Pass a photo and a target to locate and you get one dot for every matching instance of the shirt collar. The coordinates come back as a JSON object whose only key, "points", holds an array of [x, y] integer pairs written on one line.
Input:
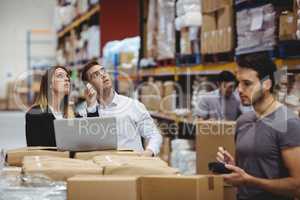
{"points": [[113, 103]]}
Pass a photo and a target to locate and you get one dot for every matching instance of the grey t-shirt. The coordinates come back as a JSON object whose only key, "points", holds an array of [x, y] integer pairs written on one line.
{"points": [[259, 143], [213, 105]]}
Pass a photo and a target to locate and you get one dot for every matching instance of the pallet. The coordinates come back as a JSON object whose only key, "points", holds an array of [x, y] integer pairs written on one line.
{"points": [[188, 59], [289, 49], [218, 57], [166, 62]]}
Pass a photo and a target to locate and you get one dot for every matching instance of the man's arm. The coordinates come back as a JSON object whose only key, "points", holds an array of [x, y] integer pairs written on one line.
{"points": [[289, 186], [148, 130]]}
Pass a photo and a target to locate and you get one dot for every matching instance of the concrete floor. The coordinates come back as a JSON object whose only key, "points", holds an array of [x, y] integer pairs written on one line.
{"points": [[12, 130]]}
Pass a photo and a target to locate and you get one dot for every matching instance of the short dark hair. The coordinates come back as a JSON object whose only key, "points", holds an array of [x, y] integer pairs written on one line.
{"points": [[226, 76], [86, 68], [260, 62]]}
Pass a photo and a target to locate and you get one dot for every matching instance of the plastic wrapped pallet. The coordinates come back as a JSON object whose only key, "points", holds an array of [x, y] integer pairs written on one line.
{"points": [[20, 187], [133, 165], [166, 29], [256, 29], [93, 49], [151, 44], [188, 14], [58, 169], [183, 156]]}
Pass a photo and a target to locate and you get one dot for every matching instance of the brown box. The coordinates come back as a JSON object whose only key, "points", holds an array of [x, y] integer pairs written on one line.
{"points": [[165, 149], [92, 154], [103, 187], [59, 169], [217, 31], [230, 192], [168, 102], [287, 26], [207, 38], [214, 5], [133, 165], [209, 136], [151, 95], [15, 157], [3, 104], [182, 187]]}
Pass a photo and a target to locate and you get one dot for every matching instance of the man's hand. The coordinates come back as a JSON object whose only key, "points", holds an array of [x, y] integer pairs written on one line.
{"points": [[90, 96], [147, 153], [224, 156], [237, 177]]}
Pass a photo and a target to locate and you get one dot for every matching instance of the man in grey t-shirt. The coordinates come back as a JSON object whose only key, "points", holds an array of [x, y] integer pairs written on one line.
{"points": [[220, 104], [267, 162]]}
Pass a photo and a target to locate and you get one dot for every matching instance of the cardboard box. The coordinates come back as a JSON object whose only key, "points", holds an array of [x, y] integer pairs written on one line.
{"points": [[287, 26], [15, 157], [214, 5], [209, 136], [103, 187], [230, 192], [133, 165], [209, 25], [3, 104], [165, 149], [59, 169], [92, 154], [217, 31], [151, 94], [168, 103], [182, 187]]}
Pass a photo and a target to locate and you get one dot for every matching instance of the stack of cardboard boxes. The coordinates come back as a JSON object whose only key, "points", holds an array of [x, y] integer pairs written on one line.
{"points": [[217, 27], [159, 96], [118, 175], [288, 23]]}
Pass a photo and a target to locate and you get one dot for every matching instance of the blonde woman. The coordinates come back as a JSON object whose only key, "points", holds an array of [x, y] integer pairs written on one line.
{"points": [[52, 103]]}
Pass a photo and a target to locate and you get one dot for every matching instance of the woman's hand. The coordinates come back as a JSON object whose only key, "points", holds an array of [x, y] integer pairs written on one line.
{"points": [[225, 157]]}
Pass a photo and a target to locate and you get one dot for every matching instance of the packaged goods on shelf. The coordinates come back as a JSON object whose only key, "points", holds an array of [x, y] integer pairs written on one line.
{"points": [[93, 42], [287, 26], [256, 29], [151, 95], [168, 103], [297, 10], [151, 43], [217, 28], [166, 29], [93, 2], [188, 14], [122, 53], [183, 156], [82, 6]]}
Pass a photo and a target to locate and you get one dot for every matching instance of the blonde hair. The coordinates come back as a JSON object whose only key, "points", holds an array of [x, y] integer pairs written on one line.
{"points": [[45, 96]]}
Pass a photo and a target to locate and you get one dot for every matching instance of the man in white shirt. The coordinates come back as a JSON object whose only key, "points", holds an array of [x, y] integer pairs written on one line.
{"points": [[133, 120]]}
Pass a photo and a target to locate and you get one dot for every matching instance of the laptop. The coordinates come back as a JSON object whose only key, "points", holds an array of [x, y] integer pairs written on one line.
{"points": [[86, 134]]}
